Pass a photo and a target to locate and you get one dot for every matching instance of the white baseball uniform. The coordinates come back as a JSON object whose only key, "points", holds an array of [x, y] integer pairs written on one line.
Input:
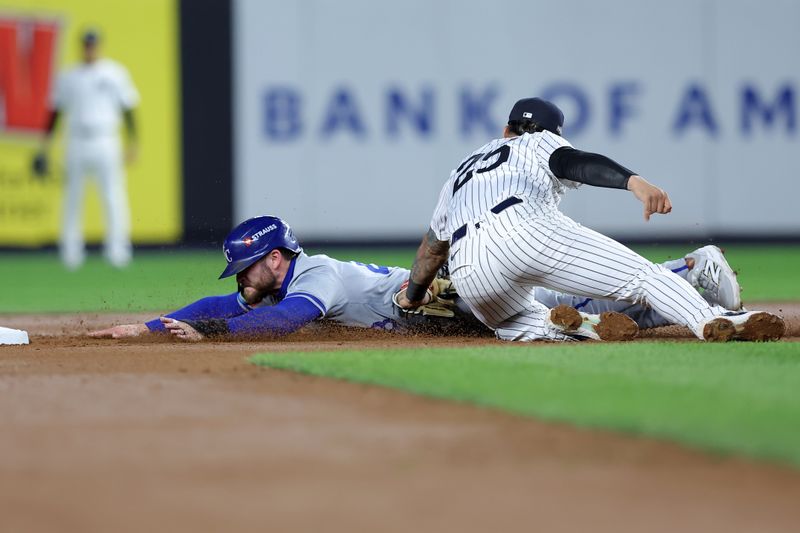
{"points": [[94, 96], [499, 209]]}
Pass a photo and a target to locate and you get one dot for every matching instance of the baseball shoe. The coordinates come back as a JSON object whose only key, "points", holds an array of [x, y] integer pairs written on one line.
{"points": [[608, 326], [714, 275], [744, 326]]}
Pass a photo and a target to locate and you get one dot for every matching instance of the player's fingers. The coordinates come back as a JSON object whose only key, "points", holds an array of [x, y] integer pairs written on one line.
{"points": [[170, 323], [663, 203], [659, 207], [182, 334], [649, 208], [667, 204], [101, 333]]}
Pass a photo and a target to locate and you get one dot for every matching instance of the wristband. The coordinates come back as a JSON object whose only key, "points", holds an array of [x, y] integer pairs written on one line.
{"points": [[415, 292]]}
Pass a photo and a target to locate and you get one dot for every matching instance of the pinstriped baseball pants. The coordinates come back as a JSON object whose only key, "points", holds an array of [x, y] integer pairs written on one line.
{"points": [[103, 157], [497, 267]]}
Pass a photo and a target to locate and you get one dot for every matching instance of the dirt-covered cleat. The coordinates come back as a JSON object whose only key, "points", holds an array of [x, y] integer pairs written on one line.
{"points": [[744, 326], [714, 275], [614, 326], [608, 326]]}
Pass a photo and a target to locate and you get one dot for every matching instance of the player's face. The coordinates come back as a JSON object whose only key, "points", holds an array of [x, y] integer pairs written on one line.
{"points": [[90, 52], [256, 281]]}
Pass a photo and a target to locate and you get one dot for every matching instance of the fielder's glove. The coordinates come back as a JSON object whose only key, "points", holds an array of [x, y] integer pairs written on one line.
{"points": [[439, 298], [40, 166]]}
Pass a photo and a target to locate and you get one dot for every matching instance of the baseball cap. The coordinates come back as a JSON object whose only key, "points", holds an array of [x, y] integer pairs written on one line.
{"points": [[545, 114], [90, 36]]}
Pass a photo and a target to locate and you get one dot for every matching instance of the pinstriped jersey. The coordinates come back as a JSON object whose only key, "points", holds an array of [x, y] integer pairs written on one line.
{"points": [[94, 96], [518, 166]]}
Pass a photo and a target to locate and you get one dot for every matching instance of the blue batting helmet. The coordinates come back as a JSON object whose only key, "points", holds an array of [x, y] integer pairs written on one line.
{"points": [[253, 239]]}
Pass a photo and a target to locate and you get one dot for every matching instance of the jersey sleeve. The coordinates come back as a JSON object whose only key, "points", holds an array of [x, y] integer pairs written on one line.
{"points": [[547, 144], [126, 90], [226, 306], [58, 96], [285, 317], [321, 286], [439, 219]]}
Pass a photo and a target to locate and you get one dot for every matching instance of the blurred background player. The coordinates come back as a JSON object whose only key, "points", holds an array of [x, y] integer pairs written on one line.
{"points": [[94, 94]]}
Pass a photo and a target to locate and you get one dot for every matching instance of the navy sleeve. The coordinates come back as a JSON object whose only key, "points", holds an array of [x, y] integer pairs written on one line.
{"points": [[283, 318], [591, 169], [226, 306]]}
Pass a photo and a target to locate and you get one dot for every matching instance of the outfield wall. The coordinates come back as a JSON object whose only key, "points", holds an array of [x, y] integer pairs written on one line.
{"points": [[39, 38], [348, 116]]}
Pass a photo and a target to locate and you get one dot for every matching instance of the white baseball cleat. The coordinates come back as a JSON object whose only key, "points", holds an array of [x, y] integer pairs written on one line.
{"points": [[744, 326], [608, 326], [714, 275]]}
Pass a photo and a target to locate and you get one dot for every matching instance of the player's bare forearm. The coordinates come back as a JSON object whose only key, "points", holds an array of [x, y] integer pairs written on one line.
{"points": [[120, 332], [49, 128], [130, 124], [431, 255]]}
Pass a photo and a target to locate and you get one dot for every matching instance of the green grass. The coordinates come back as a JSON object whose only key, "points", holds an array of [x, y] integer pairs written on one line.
{"points": [[732, 398], [163, 280], [765, 272], [739, 398]]}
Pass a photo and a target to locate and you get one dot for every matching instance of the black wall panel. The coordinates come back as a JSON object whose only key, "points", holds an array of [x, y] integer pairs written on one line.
{"points": [[206, 85]]}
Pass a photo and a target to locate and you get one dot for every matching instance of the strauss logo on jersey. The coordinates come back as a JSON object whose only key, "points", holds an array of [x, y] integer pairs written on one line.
{"points": [[260, 233]]}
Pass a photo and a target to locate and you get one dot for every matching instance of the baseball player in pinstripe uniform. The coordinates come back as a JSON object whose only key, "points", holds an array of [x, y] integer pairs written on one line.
{"points": [[497, 219], [281, 289], [94, 94]]}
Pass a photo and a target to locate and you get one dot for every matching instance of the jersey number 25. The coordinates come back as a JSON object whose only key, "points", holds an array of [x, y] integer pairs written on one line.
{"points": [[466, 170]]}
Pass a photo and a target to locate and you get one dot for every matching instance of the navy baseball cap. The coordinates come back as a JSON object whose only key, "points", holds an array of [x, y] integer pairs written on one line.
{"points": [[90, 36], [545, 114]]}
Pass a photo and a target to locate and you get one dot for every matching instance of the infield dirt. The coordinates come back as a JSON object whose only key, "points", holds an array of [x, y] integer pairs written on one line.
{"points": [[153, 435]]}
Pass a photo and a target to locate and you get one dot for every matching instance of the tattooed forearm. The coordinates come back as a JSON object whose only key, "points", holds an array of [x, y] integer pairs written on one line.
{"points": [[431, 255]]}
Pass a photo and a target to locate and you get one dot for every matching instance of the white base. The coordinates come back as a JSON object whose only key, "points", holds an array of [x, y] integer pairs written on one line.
{"points": [[13, 336]]}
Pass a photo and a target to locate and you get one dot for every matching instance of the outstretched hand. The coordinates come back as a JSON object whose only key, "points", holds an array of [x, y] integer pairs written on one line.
{"points": [[181, 330], [655, 200], [120, 332]]}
